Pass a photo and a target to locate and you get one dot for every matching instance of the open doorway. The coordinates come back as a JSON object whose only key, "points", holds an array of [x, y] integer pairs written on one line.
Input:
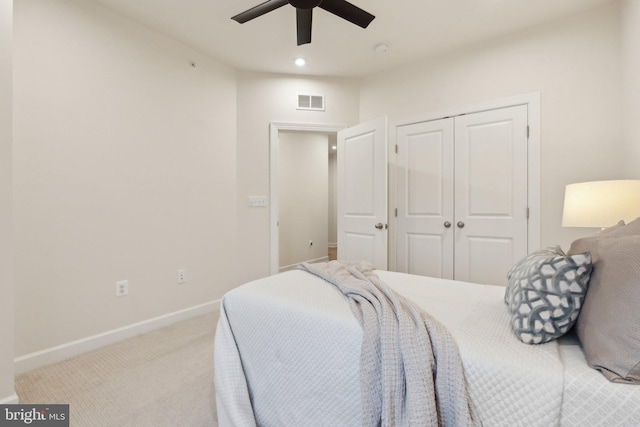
{"points": [[303, 194], [303, 198], [333, 198]]}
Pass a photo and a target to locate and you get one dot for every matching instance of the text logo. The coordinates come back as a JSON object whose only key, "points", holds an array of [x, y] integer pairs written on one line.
{"points": [[34, 415]]}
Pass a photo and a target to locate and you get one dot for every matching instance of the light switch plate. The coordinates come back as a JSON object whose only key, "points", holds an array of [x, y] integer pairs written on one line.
{"points": [[257, 201]]}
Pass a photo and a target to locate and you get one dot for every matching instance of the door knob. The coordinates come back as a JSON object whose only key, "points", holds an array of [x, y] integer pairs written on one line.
{"points": [[460, 224], [447, 224], [379, 226]]}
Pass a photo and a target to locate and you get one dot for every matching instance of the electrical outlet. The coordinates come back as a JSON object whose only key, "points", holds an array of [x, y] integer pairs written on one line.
{"points": [[122, 288], [181, 276]]}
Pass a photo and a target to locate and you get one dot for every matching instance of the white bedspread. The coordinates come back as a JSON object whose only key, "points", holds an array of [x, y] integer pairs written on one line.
{"points": [[290, 344], [287, 327], [411, 373], [511, 383], [589, 399]]}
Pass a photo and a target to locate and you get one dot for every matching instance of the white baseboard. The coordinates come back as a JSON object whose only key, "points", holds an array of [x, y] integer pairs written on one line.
{"points": [[10, 400], [311, 261], [333, 245], [74, 348]]}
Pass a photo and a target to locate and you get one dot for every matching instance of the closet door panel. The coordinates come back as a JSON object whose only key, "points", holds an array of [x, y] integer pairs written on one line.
{"points": [[490, 194], [425, 198], [483, 249], [489, 167], [427, 255]]}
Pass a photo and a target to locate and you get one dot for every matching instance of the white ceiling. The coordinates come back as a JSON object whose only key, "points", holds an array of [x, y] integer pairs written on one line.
{"points": [[412, 28]]}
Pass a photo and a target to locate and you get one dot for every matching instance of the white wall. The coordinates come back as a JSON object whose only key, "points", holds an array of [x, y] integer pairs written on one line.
{"points": [[124, 168], [630, 42], [262, 99], [303, 190], [6, 254], [574, 63]]}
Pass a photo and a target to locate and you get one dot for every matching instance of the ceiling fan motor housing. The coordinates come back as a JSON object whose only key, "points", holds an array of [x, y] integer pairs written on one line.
{"points": [[304, 14], [305, 4]]}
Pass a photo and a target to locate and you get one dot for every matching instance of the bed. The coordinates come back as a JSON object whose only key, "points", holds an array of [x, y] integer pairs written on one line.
{"points": [[287, 354]]}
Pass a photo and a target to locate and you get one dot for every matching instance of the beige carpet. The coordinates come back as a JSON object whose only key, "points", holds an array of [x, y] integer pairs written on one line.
{"points": [[163, 378]]}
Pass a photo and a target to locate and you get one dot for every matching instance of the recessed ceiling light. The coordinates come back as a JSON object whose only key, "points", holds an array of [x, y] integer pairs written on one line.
{"points": [[333, 147], [300, 62]]}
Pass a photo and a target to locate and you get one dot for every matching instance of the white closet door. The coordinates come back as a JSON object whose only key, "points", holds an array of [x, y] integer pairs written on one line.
{"points": [[490, 194], [425, 199], [362, 193]]}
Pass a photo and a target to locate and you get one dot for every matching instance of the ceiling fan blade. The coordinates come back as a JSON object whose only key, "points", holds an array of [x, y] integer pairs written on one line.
{"points": [[304, 17], [259, 10], [346, 10]]}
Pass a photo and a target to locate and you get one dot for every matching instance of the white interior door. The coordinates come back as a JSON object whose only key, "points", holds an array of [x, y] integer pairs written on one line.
{"points": [[424, 180], [490, 193], [362, 193]]}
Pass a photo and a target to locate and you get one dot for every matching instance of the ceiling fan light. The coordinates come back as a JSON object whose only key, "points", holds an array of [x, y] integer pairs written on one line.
{"points": [[300, 62]]}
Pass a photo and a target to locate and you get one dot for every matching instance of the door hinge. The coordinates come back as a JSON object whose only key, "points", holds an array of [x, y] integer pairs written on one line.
{"points": [[528, 131], [396, 148], [527, 213], [396, 212]]}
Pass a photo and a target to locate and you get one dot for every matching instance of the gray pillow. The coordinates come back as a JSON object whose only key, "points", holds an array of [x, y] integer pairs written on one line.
{"points": [[588, 244], [631, 229], [609, 323], [545, 293]]}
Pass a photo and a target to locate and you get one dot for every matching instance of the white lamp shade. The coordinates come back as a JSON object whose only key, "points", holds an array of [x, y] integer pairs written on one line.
{"points": [[601, 203]]}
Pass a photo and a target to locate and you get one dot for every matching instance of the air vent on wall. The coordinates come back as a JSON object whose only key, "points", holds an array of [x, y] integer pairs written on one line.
{"points": [[311, 102]]}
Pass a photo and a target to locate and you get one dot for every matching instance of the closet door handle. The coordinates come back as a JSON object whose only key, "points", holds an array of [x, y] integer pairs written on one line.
{"points": [[447, 224], [460, 224], [379, 226]]}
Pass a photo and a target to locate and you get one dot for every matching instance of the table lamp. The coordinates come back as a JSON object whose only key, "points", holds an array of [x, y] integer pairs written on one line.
{"points": [[601, 203]]}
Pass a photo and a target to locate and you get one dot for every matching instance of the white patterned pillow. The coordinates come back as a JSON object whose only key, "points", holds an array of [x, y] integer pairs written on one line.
{"points": [[545, 293], [550, 252]]}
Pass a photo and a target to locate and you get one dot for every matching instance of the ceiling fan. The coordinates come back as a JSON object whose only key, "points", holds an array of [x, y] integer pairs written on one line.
{"points": [[304, 14]]}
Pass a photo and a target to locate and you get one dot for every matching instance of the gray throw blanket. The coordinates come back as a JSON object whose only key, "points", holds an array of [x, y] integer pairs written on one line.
{"points": [[410, 369]]}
